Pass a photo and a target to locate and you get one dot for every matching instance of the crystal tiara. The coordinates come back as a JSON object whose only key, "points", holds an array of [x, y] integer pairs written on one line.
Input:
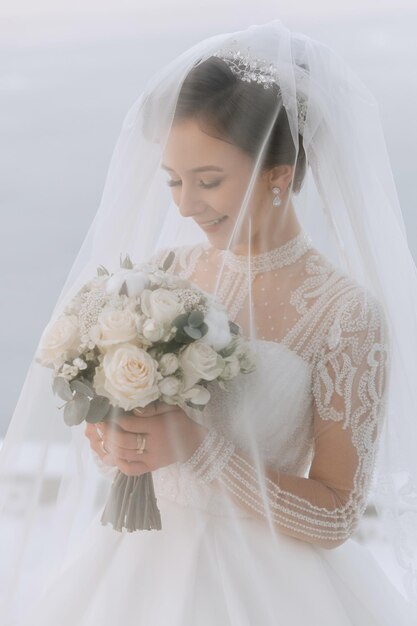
{"points": [[254, 69]]}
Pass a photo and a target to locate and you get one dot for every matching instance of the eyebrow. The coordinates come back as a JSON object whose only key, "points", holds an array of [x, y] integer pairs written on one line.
{"points": [[203, 168]]}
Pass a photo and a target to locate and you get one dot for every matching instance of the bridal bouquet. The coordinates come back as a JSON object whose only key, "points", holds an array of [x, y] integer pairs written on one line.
{"points": [[132, 337]]}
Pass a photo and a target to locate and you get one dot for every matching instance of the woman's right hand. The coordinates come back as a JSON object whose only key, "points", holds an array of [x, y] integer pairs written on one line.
{"points": [[92, 433]]}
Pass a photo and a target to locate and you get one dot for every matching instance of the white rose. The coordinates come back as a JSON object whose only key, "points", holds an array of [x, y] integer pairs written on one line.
{"points": [[199, 361], [152, 330], [218, 334], [60, 341], [128, 377], [161, 305], [136, 282], [168, 363], [114, 326], [170, 386]]}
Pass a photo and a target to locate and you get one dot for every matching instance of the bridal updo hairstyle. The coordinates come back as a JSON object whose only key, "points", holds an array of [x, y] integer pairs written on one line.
{"points": [[242, 113]]}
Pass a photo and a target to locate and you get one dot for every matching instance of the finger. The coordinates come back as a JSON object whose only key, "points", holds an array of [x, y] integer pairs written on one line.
{"points": [[123, 439], [136, 424], [153, 408], [106, 457], [127, 454]]}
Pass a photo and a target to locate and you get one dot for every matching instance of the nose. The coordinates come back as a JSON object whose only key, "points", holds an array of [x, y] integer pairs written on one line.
{"points": [[189, 203]]}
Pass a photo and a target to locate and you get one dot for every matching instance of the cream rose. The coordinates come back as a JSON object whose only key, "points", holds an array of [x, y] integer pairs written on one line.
{"points": [[128, 376], [161, 305], [153, 330], [114, 326], [60, 341], [199, 361]]}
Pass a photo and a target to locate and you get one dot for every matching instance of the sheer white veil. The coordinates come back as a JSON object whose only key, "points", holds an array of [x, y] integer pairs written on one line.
{"points": [[348, 204]]}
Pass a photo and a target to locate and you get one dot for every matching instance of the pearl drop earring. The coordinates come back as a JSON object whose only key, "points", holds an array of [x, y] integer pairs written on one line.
{"points": [[277, 200]]}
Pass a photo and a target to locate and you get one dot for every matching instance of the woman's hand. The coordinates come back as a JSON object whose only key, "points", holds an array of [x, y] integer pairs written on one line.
{"points": [[170, 436]]}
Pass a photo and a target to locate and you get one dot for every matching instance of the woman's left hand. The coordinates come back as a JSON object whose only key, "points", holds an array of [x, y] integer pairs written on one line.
{"points": [[170, 436]]}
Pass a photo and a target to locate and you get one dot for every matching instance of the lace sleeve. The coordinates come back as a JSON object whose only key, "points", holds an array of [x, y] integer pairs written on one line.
{"points": [[348, 389]]}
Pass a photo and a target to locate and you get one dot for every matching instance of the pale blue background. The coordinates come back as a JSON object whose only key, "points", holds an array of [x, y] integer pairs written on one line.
{"points": [[68, 77]]}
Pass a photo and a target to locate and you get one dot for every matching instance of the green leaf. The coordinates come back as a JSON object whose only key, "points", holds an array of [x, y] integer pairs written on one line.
{"points": [[102, 271], [168, 261], [195, 318], [99, 407], [234, 328], [181, 320], [61, 387], [75, 411], [123, 289], [126, 263], [83, 386], [204, 329], [192, 332]]}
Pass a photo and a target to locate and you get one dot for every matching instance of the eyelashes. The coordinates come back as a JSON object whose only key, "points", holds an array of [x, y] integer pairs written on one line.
{"points": [[176, 183]]}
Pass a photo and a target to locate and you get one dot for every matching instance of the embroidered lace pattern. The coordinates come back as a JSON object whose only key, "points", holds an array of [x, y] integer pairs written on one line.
{"points": [[338, 330], [348, 389]]}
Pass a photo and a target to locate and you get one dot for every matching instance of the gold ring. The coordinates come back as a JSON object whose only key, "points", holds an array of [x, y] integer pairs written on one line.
{"points": [[141, 446]]}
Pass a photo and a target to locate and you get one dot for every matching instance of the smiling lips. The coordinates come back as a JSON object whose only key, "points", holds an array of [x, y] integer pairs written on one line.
{"points": [[216, 221]]}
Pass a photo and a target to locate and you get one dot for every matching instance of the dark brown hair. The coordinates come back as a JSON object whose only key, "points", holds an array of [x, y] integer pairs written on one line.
{"points": [[241, 112]]}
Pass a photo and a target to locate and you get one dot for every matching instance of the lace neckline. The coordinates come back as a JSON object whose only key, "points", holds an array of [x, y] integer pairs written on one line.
{"points": [[285, 254]]}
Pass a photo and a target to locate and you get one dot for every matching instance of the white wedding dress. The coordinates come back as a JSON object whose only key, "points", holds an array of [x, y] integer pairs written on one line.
{"points": [[194, 572]]}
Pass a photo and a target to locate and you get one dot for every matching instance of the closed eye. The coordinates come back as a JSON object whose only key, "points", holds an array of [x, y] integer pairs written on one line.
{"points": [[175, 183]]}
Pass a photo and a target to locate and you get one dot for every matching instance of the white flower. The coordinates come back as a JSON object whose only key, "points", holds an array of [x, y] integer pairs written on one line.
{"points": [[136, 281], [68, 371], [232, 367], [165, 279], [82, 365], [60, 341], [168, 363], [245, 353], [218, 334], [128, 377], [170, 386], [199, 361], [113, 327], [153, 330], [161, 305]]}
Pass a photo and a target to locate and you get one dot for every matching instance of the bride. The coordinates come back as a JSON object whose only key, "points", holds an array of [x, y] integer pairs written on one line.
{"points": [[283, 207]]}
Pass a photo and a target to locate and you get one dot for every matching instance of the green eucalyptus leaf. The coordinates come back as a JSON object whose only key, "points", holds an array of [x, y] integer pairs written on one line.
{"points": [[203, 329], [75, 411], [192, 332], [61, 387], [102, 271], [168, 261], [195, 318], [82, 386], [99, 407], [181, 320]]}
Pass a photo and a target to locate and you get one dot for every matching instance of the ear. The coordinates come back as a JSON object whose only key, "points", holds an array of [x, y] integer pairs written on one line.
{"points": [[280, 176]]}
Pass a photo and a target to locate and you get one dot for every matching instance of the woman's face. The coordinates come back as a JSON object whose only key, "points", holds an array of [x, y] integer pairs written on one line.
{"points": [[209, 178]]}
